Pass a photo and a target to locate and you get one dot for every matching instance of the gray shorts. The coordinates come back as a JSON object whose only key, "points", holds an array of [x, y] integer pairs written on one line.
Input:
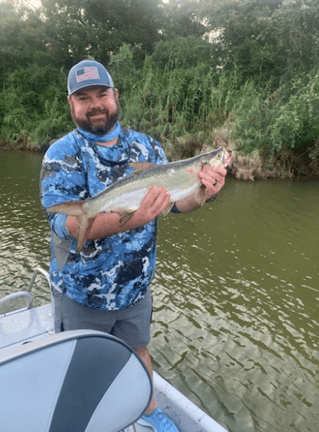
{"points": [[132, 325]]}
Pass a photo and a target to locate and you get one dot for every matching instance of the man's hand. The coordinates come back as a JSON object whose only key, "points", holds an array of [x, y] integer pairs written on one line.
{"points": [[213, 178], [154, 202]]}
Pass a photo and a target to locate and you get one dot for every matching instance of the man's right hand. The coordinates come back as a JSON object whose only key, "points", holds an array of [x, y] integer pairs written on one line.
{"points": [[153, 204]]}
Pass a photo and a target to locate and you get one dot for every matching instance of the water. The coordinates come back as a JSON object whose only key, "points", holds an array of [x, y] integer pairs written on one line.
{"points": [[236, 294]]}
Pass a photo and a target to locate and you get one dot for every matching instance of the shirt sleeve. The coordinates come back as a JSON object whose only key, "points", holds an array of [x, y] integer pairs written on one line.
{"points": [[158, 156], [62, 180]]}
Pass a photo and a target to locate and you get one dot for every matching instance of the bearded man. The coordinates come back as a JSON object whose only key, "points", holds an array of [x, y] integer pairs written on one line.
{"points": [[106, 285]]}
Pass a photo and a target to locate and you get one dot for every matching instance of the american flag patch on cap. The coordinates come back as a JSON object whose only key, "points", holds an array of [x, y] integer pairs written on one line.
{"points": [[87, 73]]}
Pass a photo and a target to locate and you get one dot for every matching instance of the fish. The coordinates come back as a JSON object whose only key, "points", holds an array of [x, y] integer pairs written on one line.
{"points": [[125, 196]]}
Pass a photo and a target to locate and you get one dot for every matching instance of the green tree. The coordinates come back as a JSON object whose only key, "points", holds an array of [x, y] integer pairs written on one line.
{"points": [[266, 40], [98, 28], [296, 25], [182, 19], [21, 36], [244, 36]]}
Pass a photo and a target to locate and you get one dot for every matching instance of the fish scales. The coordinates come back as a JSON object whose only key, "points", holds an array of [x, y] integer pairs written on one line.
{"points": [[179, 179]]}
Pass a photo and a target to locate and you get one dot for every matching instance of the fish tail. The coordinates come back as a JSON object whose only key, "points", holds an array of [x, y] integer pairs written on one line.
{"points": [[85, 224], [125, 216], [200, 195], [76, 209]]}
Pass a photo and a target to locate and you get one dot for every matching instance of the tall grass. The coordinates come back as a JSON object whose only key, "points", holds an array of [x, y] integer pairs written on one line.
{"points": [[182, 99], [33, 106], [186, 108], [171, 103]]}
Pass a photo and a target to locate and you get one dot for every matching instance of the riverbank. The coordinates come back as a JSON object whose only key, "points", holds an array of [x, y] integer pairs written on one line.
{"points": [[23, 142], [258, 165]]}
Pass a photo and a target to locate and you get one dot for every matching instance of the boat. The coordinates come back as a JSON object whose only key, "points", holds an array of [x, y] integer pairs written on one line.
{"points": [[58, 382]]}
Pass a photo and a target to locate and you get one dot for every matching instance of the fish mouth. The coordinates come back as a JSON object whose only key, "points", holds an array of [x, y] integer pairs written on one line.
{"points": [[228, 157]]}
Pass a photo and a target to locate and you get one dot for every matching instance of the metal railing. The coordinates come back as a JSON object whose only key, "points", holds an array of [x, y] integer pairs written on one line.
{"points": [[26, 294]]}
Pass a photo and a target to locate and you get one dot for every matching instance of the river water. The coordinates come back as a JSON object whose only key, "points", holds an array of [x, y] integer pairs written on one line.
{"points": [[236, 294]]}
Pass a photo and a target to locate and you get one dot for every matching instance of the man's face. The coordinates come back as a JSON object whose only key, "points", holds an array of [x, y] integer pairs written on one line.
{"points": [[95, 109]]}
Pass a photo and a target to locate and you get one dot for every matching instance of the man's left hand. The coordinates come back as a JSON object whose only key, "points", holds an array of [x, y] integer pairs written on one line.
{"points": [[214, 179]]}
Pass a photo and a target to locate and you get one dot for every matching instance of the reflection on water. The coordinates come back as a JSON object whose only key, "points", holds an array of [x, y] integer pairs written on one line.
{"points": [[236, 294], [236, 305], [24, 232]]}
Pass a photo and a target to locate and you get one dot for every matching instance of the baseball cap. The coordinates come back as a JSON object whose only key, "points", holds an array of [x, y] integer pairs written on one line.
{"points": [[88, 73]]}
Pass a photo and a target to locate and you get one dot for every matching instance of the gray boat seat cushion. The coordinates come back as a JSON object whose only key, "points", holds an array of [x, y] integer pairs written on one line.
{"points": [[76, 381]]}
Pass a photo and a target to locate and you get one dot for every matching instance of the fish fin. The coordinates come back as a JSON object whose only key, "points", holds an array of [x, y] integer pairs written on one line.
{"points": [[200, 195], [141, 166], [125, 216], [75, 208], [85, 224], [71, 208], [168, 208]]}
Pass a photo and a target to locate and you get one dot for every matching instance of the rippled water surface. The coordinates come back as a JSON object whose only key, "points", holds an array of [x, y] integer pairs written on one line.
{"points": [[236, 294]]}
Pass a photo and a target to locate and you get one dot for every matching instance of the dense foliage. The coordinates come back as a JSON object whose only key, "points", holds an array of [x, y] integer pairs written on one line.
{"points": [[191, 73]]}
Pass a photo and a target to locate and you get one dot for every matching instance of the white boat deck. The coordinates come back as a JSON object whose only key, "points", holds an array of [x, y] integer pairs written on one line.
{"points": [[24, 326], [31, 324]]}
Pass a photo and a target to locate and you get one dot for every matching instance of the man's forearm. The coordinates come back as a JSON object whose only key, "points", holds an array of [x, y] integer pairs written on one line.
{"points": [[107, 224], [103, 225], [187, 204]]}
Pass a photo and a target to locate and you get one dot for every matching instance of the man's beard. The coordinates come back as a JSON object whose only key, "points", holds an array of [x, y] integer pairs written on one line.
{"points": [[101, 127]]}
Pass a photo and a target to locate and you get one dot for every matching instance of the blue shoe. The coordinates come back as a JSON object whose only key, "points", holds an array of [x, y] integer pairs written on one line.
{"points": [[159, 421]]}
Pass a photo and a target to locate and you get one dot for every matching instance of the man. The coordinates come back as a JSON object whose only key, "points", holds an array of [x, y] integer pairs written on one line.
{"points": [[106, 285]]}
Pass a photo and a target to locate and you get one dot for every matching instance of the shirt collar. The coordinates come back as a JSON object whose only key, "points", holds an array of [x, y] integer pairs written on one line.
{"points": [[114, 133]]}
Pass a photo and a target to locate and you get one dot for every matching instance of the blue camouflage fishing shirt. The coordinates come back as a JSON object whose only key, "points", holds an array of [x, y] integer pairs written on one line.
{"points": [[114, 272]]}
